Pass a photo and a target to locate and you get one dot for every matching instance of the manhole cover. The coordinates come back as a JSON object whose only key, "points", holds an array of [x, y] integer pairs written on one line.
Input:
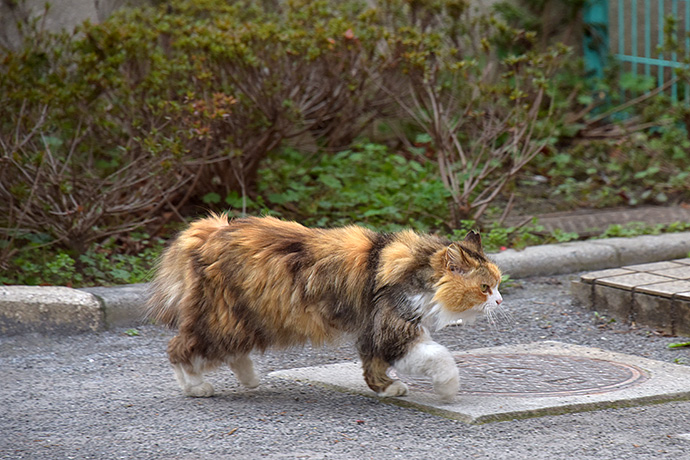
{"points": [[533, 375]]}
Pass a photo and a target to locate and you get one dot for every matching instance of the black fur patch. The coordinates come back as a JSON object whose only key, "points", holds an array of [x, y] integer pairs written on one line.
{"points": [[380, 241]]}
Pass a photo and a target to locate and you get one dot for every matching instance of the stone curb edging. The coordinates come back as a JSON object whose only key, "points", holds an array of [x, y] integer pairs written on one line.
{"points": [[64, 310], [558, 259], [55, 309]]}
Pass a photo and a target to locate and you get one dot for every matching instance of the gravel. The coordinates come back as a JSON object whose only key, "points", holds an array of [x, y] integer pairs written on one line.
{"points": [[112, 395]]}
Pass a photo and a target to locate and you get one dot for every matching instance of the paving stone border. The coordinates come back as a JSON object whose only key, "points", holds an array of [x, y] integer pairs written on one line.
{"points": [[53, 309], [655, 294], [557, 259], [63, 310]]}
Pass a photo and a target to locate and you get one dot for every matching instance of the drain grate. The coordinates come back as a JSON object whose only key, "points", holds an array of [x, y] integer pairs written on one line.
{"points": [[532, 375]]}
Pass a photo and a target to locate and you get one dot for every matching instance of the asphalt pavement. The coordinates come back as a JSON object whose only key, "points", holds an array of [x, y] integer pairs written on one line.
{"points": [[112, 394]]}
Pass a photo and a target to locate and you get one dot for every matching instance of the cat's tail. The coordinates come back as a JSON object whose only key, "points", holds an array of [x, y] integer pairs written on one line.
{"points": [[173, 288]]}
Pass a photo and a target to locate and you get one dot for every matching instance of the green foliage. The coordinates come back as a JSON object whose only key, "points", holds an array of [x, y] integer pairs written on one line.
{"points": [[641, 228], [496, 237], [108, 263], [132, 332], [165, 110], [649, 167], [100, 129], [366, 184], [485, 103]]}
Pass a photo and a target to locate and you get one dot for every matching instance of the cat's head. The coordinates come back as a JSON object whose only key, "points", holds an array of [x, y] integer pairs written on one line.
{"points": [[467, 281]]}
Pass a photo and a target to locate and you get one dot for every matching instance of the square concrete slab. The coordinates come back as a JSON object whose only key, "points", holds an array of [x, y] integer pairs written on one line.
{"points": [[682, 261], [593, 276], [682, 272], [521, 381], [652, 267], [632, 281], [666, 289]]}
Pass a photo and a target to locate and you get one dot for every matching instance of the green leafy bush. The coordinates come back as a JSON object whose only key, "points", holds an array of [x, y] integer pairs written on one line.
{"points": [[367, 184], [487, 109], [103, 129], [115, 261]]}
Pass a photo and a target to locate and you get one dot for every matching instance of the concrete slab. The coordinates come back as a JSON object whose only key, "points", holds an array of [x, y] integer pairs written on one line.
{"points": [[682, 261], [653, 267], [666, 289], [522, 381], [632, 281], [593, 276], [682, 272]]}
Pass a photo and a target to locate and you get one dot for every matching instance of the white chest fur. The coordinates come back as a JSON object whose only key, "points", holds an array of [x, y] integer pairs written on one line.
{"points": [[435, 317]]}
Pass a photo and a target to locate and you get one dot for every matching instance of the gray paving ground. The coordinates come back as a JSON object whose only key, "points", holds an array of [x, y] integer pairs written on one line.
{"points": [[110, 395], [591, 222]]}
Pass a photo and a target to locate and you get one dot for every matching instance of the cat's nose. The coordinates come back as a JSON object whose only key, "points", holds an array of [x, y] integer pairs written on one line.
{"points": [[499, 301]]}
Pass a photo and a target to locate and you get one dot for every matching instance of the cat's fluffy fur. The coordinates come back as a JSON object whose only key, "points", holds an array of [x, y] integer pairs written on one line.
{"points": [[231, 287]]}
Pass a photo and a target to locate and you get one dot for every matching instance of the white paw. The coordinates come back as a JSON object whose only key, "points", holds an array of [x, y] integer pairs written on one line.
{"points": [[253, 382], [202, 390], [397, 388], [447, 390]]}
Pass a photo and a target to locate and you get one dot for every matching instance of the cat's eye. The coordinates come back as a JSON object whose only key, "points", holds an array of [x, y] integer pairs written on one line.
{"points": [[484, 288]]}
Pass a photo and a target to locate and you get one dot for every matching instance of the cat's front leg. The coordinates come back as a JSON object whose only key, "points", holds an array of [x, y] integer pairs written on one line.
{"points": [[430, 359]]}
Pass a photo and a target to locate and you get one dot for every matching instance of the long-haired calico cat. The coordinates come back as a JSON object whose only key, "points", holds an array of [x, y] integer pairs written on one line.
{"points": [[231, 287]]}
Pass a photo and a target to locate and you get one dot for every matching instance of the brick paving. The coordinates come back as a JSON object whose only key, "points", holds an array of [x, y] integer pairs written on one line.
{"points": [[655, 295]]}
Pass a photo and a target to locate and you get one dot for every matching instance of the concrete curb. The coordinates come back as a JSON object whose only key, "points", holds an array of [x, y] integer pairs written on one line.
{"points": [[63, 310], [51, 309], [558, 259], [54, 309]]}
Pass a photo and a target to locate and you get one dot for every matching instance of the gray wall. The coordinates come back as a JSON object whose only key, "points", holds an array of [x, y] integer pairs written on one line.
{"points": [[62, 14]]}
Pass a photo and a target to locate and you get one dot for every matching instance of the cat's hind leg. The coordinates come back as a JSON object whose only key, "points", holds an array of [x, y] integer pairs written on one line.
{"points": [[430, 359], [189, 368], [191, 380], [243, 368]]}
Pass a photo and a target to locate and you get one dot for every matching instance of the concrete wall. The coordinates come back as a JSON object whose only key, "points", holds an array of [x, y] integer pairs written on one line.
{"points": [[62, 14]]}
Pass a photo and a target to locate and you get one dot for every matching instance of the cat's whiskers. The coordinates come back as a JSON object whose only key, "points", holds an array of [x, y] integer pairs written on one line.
{"points": [[499, 318]]}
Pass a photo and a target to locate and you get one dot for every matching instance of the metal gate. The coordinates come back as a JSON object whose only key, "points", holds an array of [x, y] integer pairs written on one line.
{"points": [[633, 33]]}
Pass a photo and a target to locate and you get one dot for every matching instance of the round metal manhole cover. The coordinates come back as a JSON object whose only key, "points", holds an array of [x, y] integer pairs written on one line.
{"points": [[534, 375]]}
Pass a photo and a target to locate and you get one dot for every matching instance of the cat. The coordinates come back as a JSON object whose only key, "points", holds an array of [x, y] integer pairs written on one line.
{"points": [[234, 286]]}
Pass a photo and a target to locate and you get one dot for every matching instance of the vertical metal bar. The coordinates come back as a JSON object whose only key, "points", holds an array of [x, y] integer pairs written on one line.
{"points": [[686, 30], [674, 56], [661, 41], [647, 37], [620, 23], [596, 46], [621, 27], [633, 36]]}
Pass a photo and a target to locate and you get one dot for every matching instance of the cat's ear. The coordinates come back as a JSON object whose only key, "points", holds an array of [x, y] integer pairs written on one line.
{"points": [[457, 260], [474, 241]]}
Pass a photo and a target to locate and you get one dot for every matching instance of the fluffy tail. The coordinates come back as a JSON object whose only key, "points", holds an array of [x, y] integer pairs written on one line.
{"points": [[176, 277]]}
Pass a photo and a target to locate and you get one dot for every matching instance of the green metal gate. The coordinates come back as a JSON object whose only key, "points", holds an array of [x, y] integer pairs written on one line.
{"points": [[632, 32]]}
